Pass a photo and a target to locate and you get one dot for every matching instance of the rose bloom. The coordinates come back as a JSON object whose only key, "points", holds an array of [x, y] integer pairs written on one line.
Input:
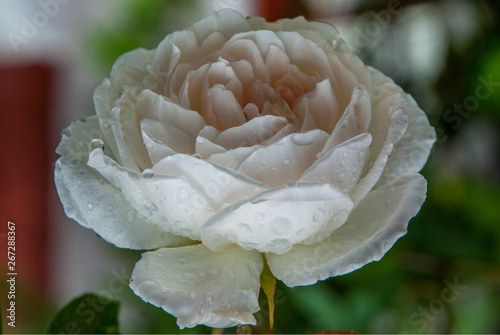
{"points": [[238, 142]]}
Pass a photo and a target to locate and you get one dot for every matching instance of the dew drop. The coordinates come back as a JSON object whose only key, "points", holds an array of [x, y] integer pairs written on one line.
{"points": [[154, 208], [246, 228], [342, 163], [183, 194], [147, 174], [344, 155], [66, 132], [90, 207], [319, 155], [286, 162], [341, 178], [318, 216], [259, 216], [147, 212], [73, 162], [83, 119], [281, 226], [96, 143], [302, 139], [79, 183]]}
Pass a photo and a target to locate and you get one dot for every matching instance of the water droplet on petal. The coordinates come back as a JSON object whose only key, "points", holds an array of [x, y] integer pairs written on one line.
{"points": [[281, 226], [286, 162], [79, 183], [147, 174], [90, 207], [246, 228], [342, 163], [154, 208], [341, 178], [259, 216], [318, 216], [96, 143], [183, 194], [66, 132], [302, 139]]}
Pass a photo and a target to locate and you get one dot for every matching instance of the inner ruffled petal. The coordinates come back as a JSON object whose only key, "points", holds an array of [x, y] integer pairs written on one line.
{"points": [[285, 160]]}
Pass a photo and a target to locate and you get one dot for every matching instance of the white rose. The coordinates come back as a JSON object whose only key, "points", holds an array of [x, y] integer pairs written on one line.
{"points": [[239, 141]]}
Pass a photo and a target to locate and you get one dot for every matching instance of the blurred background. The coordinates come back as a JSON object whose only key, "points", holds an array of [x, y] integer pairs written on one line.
{"points": [[442, 277]]}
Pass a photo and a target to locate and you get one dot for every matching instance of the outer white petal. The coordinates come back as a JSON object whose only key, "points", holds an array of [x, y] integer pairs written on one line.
{"points": [[285, 160], [398, 126], [94, 203], [219, 185], [165, 200], [128, 68], [371, 230], [199, 286], [342, 165], [354, 121], [275, 220]]}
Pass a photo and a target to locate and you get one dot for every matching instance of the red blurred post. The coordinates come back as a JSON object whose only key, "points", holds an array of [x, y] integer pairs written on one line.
{"points": [[25, 170], [273, 10]]}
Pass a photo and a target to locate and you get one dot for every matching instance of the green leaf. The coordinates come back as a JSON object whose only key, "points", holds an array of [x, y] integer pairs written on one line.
{"points": [[268, 283], [88, 314]]}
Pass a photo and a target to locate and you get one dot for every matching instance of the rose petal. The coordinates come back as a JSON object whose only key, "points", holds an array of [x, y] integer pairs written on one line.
{"points": [[169, 135], [323, 34], [201, 287], [275, 220], [169, 202], [398, 126], [321, 104], [370, 231], [220, 186], [233, 158], [285, 160], [255, 131], [168, 112], [237, 49], [354, 121], [157, 150], [96, 204], [312, 62], [342, 165], [206, 148]]}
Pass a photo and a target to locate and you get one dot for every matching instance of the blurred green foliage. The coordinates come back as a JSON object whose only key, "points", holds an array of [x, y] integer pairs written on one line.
{"points": [[87, 314], [143, 25]]}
